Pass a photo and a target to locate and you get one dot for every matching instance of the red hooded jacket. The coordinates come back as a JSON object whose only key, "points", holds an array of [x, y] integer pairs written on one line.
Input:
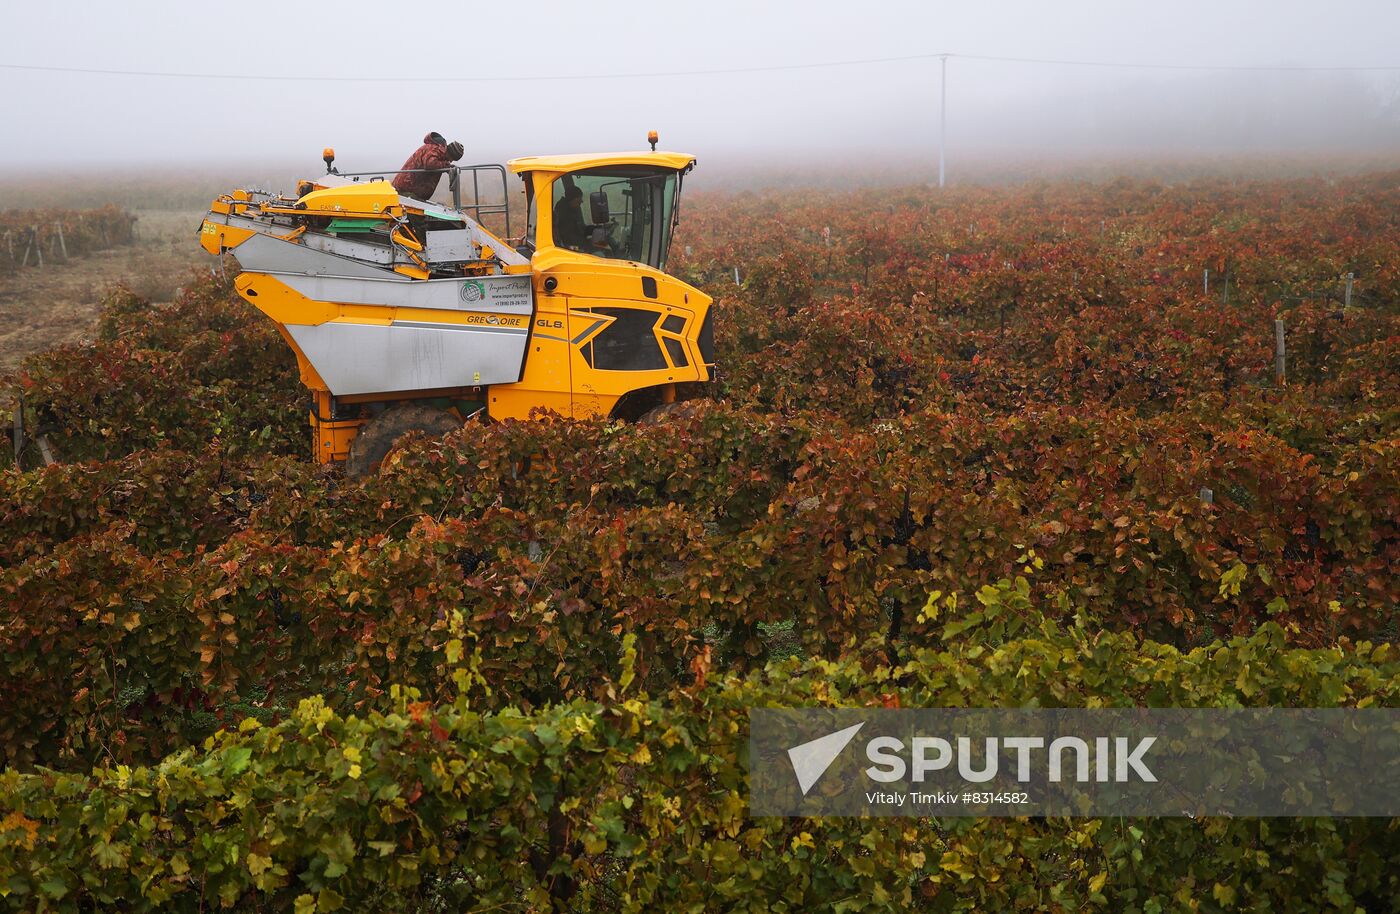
{"points": [[420, 185]]}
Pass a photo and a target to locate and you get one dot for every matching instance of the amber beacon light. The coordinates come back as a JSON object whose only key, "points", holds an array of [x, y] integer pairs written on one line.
{"points": [[652, 138]]}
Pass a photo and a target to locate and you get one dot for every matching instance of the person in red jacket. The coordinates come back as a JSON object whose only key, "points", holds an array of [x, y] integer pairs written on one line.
{"points": [[420, 174]]}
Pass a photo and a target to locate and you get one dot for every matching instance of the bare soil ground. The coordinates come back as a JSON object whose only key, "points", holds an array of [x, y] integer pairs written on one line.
{"points": [[45, 307]]}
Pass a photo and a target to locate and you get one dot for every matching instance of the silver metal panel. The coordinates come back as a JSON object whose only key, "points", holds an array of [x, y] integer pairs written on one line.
{"points": [[266, 254], [480, 236], [262, 224], [500, 294], [365, 358], [373, 253], [451, 244], [504, 252]]}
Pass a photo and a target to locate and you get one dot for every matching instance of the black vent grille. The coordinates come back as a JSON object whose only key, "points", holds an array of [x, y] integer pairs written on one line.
{"points": [[707, 338]]}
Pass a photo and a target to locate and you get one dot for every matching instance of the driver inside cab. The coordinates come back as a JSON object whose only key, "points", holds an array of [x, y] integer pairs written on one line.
{"points": [[571, 230]]}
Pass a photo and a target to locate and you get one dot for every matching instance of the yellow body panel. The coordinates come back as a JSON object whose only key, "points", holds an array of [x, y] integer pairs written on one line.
{"points": [[367, 200], [581, 161], [584, 283], [333, 437], [214, 238], [282, 303], [558, 376], [546, 384]]}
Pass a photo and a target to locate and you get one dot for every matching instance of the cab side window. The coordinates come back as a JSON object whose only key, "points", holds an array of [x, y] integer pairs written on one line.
{"points": [[621, 212]]}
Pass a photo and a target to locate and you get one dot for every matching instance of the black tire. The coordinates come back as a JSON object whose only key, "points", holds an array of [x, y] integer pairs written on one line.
{"points": [[378, 436], [667, 411]]}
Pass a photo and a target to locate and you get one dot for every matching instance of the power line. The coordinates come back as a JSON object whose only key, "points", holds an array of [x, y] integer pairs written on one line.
{"points": [[470, 79], [1299, 68], [262, 77]]}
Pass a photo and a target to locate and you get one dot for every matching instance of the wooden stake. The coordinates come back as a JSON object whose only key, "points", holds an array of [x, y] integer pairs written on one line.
{"points": [[18, 431], [63, 244], [1280, 356], [1346, 303], [1207, 495]]}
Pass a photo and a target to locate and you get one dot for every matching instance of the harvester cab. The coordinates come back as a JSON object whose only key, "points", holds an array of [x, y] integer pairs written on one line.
{"points": [[411, 315]]}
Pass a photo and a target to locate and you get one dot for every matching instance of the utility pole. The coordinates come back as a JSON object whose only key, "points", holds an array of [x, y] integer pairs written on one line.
{"points": [[942, 116]]}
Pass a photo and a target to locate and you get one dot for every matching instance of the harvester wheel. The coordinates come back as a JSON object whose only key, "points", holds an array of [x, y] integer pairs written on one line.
{"points": [[376, 439], [668, 411]]}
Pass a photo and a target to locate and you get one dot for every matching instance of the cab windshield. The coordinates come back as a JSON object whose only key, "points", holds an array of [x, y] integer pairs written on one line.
{"points": [[618, 211]]}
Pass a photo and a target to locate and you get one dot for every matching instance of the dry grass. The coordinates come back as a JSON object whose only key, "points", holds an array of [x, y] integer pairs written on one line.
{"points": [[44, 307]]}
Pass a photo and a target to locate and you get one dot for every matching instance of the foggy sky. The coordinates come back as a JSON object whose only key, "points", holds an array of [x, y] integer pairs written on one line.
{"points": [[770, 119]]}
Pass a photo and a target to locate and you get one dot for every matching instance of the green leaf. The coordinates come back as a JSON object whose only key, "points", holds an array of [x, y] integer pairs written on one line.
{"points": [[108, 855], [629, 660], [237, 760]]}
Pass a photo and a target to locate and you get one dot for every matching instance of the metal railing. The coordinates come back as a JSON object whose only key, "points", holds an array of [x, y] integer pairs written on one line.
{"points": [[454, 183]]}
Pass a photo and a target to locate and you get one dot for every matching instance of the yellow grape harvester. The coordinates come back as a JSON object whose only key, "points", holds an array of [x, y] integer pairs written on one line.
{"points": [[407, 314]]}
